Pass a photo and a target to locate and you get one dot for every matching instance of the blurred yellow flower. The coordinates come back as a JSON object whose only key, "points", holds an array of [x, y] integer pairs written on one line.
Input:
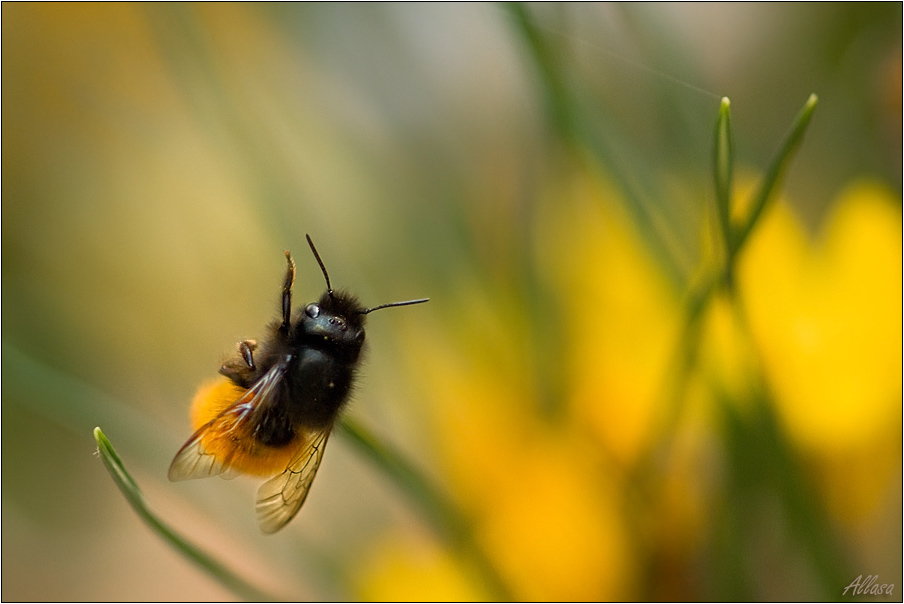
{"points": [[620, 319], [545, 514], [414, 570], [826, 317], [555, 528]]}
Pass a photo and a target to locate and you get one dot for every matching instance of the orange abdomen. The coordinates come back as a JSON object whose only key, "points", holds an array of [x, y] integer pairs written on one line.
{"points": [[235, 443]]}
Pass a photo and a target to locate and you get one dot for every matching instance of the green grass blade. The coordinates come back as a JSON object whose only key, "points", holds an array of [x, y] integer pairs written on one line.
{"points": [[133, 495], [545, 58], [723, 164], [582, 126], [776, 171]]}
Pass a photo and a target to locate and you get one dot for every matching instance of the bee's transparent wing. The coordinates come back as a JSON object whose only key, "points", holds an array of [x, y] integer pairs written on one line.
{"points": [[197, 460], [280, 498], [211, 449]]}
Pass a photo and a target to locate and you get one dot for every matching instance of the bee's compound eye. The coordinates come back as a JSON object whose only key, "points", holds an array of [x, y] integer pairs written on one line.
{"points": [[312, 310]]}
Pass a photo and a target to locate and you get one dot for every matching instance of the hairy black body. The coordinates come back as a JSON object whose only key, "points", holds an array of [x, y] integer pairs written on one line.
{"points": [[290, 389]]}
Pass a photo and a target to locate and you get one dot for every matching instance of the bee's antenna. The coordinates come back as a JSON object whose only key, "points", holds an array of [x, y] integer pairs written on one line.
{"points": [[329, 288], [406, 303]]}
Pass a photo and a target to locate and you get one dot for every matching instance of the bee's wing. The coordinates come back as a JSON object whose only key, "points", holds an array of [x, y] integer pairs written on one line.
{"points": [[211, 449], [280, 498]]}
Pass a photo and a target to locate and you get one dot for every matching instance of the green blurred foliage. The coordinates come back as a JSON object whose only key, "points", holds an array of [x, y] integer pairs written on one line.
{"points": [[535, 171]]}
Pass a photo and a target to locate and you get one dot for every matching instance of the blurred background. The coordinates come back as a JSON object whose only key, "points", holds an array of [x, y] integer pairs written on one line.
{"points": [[544, 174]]}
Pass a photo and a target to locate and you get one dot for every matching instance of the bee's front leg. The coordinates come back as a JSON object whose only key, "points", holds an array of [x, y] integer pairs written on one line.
{"points": [[246, 350], [240, 369]]}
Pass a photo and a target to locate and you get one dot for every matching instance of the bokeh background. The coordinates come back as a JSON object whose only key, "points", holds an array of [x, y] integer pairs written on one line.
{"points": [[544, 175]]}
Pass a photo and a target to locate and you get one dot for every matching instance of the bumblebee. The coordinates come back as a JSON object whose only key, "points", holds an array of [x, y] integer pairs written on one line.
{"points": [[272, 412]]}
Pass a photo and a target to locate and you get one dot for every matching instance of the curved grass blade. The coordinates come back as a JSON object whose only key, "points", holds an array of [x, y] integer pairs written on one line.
{"points": [[133, 495], [723, 166], [700, 296], [558, 103], [776, 171]]}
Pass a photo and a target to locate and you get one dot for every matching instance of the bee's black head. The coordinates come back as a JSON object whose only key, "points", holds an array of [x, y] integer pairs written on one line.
{"points": [[338, 317]]}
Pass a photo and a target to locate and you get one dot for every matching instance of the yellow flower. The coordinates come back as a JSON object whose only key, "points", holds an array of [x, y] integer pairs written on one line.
{"points": [[547, 517], [414, 569], [826, 316], [554, 525], [620, 319]]}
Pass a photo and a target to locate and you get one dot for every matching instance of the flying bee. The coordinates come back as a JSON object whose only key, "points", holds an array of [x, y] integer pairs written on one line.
{"points": [[272, 413]]}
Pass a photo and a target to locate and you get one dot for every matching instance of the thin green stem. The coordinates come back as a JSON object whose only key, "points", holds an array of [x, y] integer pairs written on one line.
{"points": [[699, 298], [776, 171], [723, 167], [558, 102], [133, 495], [579, 127]]}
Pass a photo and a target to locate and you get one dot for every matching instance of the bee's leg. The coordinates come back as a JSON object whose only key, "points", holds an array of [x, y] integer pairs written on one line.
{"points": [[246, 350], [287, 295], [240, 369]]}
